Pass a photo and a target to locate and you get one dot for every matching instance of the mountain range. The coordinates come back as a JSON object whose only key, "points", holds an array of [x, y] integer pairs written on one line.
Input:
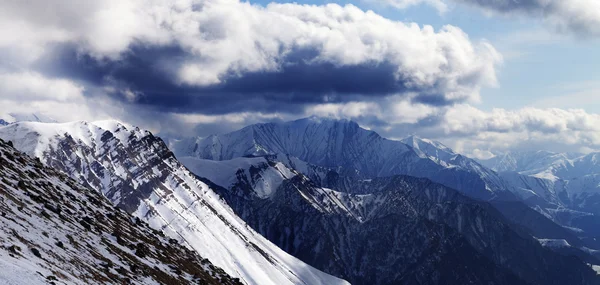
{"points": [[563, 186], [340, 184], [301, 202]]}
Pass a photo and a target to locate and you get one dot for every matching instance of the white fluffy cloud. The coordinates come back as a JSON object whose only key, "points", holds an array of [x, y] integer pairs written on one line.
{"points": [[59, 98], [35, 87], [393, 110], [473, 131], [228, 37], [571, 130]]}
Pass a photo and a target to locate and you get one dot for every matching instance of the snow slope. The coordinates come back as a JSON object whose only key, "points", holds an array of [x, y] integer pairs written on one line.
{"points": [[54, 231], [137, 172]]}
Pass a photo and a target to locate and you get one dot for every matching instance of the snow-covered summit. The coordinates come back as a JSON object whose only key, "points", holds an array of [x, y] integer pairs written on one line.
{"points": [[428, 148], [35, 138]]}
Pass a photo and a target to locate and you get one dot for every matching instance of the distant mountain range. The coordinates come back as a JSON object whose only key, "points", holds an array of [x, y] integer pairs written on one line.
{"points": [[340, 161], [352, 150], [563, 186]]}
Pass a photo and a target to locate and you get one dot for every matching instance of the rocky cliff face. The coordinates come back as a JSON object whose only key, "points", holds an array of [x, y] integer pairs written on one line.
{"points": [[56, 231]]}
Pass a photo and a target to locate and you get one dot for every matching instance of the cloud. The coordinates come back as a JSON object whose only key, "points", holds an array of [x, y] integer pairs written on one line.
{"points": [[33, 86], [222, 56], [580, 17], [473, 131]]}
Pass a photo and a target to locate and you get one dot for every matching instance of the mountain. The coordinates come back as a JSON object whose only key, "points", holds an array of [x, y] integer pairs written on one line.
{"points": [[9, 118], [337, 153], [136, 171], [55, 231], [345, 146], [401, 230], [564, 186]]}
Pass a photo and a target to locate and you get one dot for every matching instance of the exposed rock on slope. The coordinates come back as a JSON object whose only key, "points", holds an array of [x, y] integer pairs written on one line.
{"points": [[53, 230]]}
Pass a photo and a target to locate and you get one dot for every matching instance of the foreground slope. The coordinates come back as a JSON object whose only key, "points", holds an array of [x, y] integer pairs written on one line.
{"points": [[398, 230], [53, 230], [137, 172]]}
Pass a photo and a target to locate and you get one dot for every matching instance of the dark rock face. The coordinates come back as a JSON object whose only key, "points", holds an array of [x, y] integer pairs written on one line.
{"points": [[96, 165], [412, 231]]}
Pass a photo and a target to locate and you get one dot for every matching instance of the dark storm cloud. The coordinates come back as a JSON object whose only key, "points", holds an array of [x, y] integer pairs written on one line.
{"points": [[147, 71]]}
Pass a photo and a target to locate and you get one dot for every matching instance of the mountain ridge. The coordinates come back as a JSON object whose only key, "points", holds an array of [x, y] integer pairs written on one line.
{"points": [[137, 172]]}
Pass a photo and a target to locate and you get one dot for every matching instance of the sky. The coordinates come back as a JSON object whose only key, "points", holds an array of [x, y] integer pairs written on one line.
{"points": [[481, 76]]}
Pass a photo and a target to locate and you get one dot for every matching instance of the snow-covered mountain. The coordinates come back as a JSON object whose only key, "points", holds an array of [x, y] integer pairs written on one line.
{"points": [[345, 146], [400, 230], [337, 153], [564, 186], [9, 118], [55, 231], [137, 172]]}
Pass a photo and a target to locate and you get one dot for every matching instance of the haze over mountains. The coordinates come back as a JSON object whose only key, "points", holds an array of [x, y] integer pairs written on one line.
{"points": [[337, 197]]}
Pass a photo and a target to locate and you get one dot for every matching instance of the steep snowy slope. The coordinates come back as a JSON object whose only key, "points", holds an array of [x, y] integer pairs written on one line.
{"points": [[137, 172], [408, 230], [343, 145], [55, 231]]}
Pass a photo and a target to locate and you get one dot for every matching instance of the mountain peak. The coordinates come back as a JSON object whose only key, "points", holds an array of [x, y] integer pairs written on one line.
{"points": [[428, 147]]}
